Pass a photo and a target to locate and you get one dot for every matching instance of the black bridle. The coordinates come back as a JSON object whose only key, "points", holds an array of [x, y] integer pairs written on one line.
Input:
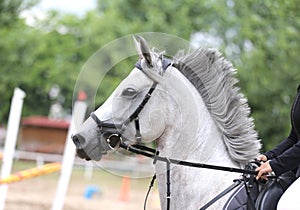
{"points": [[112, 132]]}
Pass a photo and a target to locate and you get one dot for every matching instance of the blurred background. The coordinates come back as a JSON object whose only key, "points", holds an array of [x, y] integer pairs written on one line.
{"points": [[44, 44]]}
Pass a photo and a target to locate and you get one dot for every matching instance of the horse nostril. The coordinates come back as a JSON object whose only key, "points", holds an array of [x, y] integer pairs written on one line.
{"points": [[76, 139]]}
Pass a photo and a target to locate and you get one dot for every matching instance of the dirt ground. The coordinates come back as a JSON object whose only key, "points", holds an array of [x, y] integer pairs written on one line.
{"points": [[38, 193]]}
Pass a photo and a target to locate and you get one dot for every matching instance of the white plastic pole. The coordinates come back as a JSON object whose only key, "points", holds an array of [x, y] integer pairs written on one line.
{"points": [[69, 155], [11, 139]]}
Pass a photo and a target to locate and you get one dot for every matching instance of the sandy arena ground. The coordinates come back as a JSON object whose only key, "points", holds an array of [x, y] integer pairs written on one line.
{"points": [[38, 193]]}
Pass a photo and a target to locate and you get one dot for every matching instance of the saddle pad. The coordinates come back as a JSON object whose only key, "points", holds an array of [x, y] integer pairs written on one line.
{"points": [[239, 199]]}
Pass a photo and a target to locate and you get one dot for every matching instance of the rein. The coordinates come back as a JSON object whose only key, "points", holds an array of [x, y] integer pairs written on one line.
{"points": [[154, 154], [151, 153]]}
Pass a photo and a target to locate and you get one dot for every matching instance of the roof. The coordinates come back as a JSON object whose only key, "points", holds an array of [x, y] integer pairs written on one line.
{"points": [[42, 121]]}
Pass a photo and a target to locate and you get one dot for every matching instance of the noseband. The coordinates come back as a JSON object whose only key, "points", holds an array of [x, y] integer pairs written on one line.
{"points": [[112, 132]]}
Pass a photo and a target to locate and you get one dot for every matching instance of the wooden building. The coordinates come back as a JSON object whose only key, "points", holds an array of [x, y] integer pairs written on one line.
{"points": [[41, 134]]}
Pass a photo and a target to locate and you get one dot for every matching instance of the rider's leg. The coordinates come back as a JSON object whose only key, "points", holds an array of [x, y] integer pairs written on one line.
{"points": [[290, 198]]}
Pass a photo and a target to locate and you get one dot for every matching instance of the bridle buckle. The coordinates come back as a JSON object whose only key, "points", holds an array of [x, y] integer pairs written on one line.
{"points": [[114, 140]]}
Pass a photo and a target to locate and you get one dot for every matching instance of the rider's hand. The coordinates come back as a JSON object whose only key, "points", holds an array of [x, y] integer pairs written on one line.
{"points": [[263, 170], [262, 158]]}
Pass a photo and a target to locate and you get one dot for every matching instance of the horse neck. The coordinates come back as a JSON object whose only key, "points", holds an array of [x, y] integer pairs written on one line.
{"points": [[191, 133]]}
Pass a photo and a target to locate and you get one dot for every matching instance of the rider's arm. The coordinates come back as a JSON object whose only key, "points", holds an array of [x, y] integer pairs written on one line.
{"points": [[283, 146], [286, 156], [288, 160]]}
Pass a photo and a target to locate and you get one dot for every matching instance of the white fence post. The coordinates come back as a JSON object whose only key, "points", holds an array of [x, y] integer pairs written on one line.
{"points": [[78, 115], [11, 139]]}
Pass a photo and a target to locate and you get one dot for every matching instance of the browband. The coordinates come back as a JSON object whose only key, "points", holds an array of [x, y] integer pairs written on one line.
{"points": [[166, 62]]}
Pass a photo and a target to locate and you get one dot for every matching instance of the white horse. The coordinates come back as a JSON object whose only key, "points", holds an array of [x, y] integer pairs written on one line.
{"points": [[195, 113]]}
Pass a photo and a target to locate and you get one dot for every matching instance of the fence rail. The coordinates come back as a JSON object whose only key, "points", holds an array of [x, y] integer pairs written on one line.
{"points": [[131, 164]]}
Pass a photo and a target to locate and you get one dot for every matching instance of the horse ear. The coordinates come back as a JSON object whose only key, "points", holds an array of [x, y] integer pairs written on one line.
{"points": [[143, 49]]}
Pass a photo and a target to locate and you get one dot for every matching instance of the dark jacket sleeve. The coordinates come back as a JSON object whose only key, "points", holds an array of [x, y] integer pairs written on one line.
{"points": [[283, 146], [285, 156]]}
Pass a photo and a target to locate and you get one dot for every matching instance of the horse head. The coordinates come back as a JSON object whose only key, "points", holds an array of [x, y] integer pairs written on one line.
{"points": [[128, 115]]}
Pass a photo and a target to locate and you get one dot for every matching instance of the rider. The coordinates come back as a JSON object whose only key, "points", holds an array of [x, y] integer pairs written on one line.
{"points": [[285, 157]]}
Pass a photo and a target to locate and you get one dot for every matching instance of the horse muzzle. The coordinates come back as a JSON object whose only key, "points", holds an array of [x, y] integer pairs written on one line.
{"points": [[92, 144], [95, 152], [79, 150]]}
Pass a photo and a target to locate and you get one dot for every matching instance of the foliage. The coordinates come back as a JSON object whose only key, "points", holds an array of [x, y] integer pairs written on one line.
{"points": [[261, 38], [269, 71], [35, 60], [10, 10]]}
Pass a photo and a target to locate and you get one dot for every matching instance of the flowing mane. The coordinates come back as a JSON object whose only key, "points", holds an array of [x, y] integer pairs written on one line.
{"points": [[213, 77]]}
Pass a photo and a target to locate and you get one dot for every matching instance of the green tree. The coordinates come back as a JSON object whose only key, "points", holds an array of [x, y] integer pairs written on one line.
{"points": [[36, 58], [10, 10], [260, 38], [13, 35], [269, 69]]}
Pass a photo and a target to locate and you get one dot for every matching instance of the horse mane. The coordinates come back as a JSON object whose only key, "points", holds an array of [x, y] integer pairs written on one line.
{"points": [[213, 77]]}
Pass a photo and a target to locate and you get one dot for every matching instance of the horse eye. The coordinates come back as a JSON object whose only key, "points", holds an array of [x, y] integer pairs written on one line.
{"points": [[129, 92]]}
